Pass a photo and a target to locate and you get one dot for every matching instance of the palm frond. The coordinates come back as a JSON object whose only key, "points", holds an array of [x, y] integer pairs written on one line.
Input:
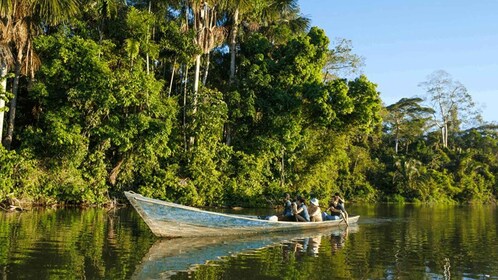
{"points": [[55, 11]]}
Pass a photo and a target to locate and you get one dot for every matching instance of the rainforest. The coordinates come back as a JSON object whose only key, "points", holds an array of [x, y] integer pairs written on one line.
{"points": [[219, 103]]}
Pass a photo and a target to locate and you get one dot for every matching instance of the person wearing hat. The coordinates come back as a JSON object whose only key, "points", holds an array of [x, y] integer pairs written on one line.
{"points": [[314, 211]]}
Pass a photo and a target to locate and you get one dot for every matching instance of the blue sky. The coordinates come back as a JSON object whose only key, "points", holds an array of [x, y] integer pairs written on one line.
{"points": [[405, 41]]}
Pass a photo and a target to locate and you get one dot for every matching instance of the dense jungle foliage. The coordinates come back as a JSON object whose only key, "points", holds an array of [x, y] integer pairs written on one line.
{"points": [[219, 103]]}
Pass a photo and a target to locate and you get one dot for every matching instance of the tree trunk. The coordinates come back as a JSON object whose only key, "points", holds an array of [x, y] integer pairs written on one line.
{"points": [[204, 80], [233, 46], [3, 88], [12, 108], [196, 92], [147, 55], [396, 140], [172, 77], [446, 135], [282, 171], [185, 80], [228, 133], [147, 62], [233, 54], [115, 172], [196, 81], [442, 137]]}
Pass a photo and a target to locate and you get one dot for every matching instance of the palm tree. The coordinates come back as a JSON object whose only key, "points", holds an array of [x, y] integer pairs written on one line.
{"points": [[6, 59], [282, 13], [99, 12], [407, 173], [236, 10], [209, 34], [21, 21]]}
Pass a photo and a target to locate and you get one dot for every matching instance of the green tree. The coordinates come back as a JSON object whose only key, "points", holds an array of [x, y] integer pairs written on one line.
{"points": [[407, 119], [107, 123], [281, 19], [367, 105], [236, 10], [406, 175], [21, 22]]}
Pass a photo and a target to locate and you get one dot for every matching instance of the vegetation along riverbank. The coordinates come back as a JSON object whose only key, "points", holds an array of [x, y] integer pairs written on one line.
{"points": [[211, 103]]}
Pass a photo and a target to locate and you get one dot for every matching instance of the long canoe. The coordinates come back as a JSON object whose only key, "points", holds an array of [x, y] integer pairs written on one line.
{"points": [[167, 219]]}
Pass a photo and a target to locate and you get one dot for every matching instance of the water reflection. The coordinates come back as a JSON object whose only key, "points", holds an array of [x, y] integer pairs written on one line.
{"points": [[168, 257], [307, 246], [71, 244], [392, 242], [310, 246]]}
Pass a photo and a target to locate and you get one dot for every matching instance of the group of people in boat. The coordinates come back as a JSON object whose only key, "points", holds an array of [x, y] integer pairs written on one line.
{"points": [[298, 210]]}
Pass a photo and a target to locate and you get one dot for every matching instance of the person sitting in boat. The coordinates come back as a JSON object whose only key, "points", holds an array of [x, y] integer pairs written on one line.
{"points": [[300, 211], [335, 211], [287, 214], [315, 211], [341, 204]]}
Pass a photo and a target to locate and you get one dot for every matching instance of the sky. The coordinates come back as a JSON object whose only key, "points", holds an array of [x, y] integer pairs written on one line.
{"points": [[402, 42]]}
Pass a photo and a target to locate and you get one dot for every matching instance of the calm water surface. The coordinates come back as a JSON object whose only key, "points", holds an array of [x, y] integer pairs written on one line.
{"points": [[389, 242]]}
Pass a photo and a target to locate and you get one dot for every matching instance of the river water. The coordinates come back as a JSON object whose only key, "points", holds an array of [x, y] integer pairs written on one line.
{"points": [[389, 242]]}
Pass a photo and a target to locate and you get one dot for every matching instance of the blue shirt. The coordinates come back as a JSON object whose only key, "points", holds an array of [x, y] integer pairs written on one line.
{"points": [[304, 213], [288, 208]]}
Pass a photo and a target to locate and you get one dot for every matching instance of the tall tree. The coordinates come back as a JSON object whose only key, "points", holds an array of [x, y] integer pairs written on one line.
{"points": [[367, 105], [406, 119], [341, 62], [451, 102], [280, 19], [21, 21], [3, 95], [237, 9], [208, 35]]}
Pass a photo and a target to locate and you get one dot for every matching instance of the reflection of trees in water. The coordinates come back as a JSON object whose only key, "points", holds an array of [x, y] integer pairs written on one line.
{"points": [[74, 243], [113, 220]]}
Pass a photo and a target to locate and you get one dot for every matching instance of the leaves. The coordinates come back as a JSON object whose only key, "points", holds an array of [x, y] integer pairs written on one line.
{"points": [[113, 108]]}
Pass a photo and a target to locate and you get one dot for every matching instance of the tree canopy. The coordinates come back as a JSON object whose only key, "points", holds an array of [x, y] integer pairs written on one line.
{"points": [[220, 103]]}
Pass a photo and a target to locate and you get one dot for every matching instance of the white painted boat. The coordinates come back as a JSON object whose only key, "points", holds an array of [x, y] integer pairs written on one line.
{"points": [[167, 219]]}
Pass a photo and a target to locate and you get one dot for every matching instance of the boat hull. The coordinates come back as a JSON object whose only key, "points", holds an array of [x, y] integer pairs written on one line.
{"points": [[166, 219]]}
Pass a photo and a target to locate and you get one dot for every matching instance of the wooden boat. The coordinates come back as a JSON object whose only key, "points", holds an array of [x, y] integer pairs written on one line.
{"points": [[167, 219], [166, 257]]}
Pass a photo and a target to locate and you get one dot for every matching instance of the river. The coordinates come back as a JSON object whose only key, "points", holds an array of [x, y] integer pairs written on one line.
{"points": [[389, 242]]}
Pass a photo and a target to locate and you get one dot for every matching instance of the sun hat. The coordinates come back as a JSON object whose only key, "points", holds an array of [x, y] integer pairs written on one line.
{"points": [[273, 218], [314, 201]]}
